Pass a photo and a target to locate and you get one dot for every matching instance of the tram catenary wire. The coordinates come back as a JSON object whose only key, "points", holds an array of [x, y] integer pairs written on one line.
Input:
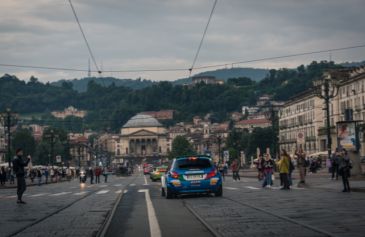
{"points": [[184, 69]]}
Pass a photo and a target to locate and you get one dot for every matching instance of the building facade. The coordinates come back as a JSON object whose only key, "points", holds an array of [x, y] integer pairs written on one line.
{"points": [[143, 137], [70, 111], [303, 120]]}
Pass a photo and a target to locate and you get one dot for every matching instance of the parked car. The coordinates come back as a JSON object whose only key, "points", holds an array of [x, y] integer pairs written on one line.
{"points": [[157, 173], [147, 169], [191, 174]]}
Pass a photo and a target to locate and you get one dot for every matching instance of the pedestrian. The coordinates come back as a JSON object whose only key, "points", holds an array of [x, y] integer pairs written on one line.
{"points": [[68, 174], [52, 174], [221, 170], [2, 175], [97, 174], [283, 166], [268, 169], [291, 169], [11, 176], [258, 163], [39, 176], [32, 175], [301, 164], [18, 167], [46, 174], [335, 163], [105, 174], [345, 167], [91, 174], [235, 166]]}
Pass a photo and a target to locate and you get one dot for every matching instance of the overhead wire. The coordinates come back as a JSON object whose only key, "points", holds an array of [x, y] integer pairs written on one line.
{"points": [[202, 39], [84, 36], [185, 69]]}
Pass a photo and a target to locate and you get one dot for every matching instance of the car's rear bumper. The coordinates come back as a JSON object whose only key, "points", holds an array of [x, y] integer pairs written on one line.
{"points": [[205, 186]]}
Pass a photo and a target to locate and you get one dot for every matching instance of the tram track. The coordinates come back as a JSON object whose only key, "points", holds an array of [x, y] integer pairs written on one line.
{"points": [[216, 233], [58, 210]]}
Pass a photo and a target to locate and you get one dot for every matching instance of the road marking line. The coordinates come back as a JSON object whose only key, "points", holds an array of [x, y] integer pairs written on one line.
{"points": [[38, 195], [125, 191], [103, 191], [103, 186], [132, 185], [145, 180], [230, 188], [253, 188], [117, 185], [81, 193], [119, 191], [6, 197], [152, 219], [60, 194]]}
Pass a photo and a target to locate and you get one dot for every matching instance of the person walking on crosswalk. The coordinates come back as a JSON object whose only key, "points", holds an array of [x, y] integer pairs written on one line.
{"points": [[18, 167]]}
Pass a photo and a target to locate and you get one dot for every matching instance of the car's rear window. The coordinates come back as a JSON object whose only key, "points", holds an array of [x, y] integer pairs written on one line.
{"points": [[193, 163]]}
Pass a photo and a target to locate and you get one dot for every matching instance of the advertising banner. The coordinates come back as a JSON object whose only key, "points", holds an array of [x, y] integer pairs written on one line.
{"points": [[346, 135]]}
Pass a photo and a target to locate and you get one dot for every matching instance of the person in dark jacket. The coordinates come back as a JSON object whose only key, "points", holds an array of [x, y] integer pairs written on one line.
{"points": [[344, 170], [91, 174], [18, 167]]}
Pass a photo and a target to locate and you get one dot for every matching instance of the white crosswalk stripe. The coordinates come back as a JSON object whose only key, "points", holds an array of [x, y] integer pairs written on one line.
{"points": [[132, 185], [253, 188], [38, 195], [119, 191], [81, 193], [103, 186], [103, 191], [230, 188], [117, 185], [60, 194]]}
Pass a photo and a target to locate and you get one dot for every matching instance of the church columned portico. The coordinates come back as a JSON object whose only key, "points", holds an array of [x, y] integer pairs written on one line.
{"points": [[143, 137]]}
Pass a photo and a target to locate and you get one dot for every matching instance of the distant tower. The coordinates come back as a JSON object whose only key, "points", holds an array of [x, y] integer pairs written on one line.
{"points": [[89, 70]]}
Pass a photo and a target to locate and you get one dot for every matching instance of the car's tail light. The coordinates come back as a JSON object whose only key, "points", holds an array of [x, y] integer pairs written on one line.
{"points": [[211, 174], [174, 174]]}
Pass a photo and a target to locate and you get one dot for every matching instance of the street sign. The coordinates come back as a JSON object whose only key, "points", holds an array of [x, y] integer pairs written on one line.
{"points": [[58, 159]]}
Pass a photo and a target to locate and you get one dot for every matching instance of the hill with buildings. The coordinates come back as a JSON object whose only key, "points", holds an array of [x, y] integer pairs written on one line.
{"points": [[110, 106]]}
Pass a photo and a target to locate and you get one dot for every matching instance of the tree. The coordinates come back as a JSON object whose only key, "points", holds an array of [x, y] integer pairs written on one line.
{"points": [[24, 139], [181, 147]]}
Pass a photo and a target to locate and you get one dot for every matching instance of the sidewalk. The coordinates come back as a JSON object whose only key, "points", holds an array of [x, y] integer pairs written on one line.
{"points": [[29, 183], [320, 180]]}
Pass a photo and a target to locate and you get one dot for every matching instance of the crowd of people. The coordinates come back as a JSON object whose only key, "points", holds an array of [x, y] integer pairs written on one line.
{"points": [[339, 164]]}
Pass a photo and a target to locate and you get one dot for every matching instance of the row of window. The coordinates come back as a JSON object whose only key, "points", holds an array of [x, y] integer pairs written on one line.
{"points": [[352, 89], [298, 120], [294, 109]]}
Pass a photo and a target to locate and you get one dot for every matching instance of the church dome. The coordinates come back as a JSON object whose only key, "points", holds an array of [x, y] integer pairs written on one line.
{"points": [[142, 120]]}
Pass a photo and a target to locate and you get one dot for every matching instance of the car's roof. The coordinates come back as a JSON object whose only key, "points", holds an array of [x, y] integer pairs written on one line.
{"points": [[198, 157]]}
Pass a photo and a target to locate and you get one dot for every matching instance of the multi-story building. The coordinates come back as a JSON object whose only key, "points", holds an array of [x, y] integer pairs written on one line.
{"points": [[206, 80], [299, 121], [70, 111], [303, 118], [251, 124]]}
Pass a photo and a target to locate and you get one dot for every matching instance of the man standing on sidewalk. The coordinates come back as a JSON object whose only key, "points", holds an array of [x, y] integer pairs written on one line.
{"points": [[18, 167], [301, 163]]}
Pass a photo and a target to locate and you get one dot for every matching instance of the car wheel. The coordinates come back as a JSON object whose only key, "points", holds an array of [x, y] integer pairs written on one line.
{"points": [[163, 194], [219, 192], [169, 194]]}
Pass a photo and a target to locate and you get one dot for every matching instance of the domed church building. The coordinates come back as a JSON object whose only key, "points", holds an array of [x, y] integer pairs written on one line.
{"points": [[143, 136]]}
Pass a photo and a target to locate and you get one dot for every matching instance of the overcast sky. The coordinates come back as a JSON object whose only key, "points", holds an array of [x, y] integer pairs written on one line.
{"points": [[153, 34]]}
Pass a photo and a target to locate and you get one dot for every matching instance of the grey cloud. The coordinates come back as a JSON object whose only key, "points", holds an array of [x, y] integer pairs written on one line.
{"points": [[166, 33]]}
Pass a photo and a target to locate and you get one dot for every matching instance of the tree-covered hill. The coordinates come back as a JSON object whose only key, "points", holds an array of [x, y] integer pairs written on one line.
{"points": [[80, 85], [111, 106]]}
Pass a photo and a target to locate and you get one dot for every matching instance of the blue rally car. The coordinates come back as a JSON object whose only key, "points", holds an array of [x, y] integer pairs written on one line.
{"points": [[191, 174]]}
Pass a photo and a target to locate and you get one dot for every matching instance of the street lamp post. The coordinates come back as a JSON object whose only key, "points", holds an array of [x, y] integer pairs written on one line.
{"points": [[7, 120], [327, 89], [219, 149]]}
